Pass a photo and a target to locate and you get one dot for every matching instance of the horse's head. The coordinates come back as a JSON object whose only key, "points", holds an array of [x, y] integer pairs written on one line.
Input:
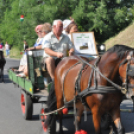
{"points": [[126, 72]]}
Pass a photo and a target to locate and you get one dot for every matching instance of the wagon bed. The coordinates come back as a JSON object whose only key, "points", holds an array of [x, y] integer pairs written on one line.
{"points": [[26, 84]]}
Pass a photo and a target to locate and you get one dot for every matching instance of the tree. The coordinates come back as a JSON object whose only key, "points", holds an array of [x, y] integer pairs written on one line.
{"points": [[106, 18]]}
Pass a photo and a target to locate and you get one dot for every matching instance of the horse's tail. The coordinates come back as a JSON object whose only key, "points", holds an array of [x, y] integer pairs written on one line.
{"points": [[51, 105]]}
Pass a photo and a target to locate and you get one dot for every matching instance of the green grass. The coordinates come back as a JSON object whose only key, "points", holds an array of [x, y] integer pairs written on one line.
{"points": [[14, 53], [124, 37]]}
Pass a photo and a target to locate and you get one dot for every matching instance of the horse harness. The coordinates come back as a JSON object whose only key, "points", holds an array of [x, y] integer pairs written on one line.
{"points": [[96, 89]]}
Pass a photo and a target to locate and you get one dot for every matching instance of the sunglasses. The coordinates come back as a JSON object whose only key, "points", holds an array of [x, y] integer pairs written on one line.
{"points": [[39, 32]]}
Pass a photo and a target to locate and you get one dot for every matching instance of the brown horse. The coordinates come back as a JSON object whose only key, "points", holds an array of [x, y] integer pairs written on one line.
{"points": [[97, 83]]}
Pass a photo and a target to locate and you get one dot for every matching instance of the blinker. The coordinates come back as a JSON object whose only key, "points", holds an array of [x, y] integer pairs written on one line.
{"points": [[130, 71]]}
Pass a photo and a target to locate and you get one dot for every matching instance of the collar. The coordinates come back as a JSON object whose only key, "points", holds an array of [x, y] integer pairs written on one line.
{"points": [[61, 36]]}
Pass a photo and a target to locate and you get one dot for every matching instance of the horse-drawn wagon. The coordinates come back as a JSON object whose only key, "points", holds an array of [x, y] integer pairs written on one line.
{"points": [[33, 88]]}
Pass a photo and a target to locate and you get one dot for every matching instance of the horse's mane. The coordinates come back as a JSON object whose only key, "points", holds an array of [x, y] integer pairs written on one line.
{"points": [[120, 50]]}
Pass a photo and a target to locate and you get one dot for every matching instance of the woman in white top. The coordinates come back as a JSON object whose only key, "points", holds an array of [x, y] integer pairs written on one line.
{"points": [[7, 49], [69, 26]]}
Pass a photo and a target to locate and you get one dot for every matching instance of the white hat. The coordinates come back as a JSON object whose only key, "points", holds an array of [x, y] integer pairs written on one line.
{"points": [[66, 23]]}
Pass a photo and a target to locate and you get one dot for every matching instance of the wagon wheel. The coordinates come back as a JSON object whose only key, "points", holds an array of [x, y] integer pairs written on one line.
{"points": [[26, 105], [106, 121], [52, 128]]}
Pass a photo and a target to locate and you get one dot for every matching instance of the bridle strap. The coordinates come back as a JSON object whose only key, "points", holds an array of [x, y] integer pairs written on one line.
{"points": [[124, 62], [125, 84]]}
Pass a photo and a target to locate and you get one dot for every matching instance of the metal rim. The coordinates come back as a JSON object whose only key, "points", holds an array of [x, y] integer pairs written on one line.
{"points": [[23, 103], [43, 118]]}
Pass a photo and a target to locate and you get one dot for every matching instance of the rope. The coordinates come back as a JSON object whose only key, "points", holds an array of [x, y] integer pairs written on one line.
{"points": [[53, 111]]}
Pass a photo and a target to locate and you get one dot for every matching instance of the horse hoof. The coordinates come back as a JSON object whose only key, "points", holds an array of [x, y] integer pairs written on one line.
{"points": [[83, 132], [78, 132], [65, 111]]}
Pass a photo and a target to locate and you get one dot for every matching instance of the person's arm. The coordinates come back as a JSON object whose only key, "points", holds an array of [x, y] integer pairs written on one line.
{"points": [[33, 48], [38, 47], [71, 47], [46, 45], [53, 53], [71, 51]]}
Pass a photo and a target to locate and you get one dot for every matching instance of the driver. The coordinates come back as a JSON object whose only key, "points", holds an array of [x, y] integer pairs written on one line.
{"points": [[56, 45]]}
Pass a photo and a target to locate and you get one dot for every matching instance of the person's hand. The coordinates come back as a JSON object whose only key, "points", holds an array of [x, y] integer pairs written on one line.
{"points": [[71, 19], [71, 52], [30, 48], [59, 54]]}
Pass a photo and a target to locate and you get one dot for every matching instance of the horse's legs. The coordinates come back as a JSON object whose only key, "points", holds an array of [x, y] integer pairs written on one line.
{"points": [[78, 119], [96, 120], [60, 114], [117, 122], [2, 75]]}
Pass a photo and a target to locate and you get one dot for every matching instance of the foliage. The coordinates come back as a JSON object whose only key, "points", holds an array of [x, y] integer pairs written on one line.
{"points": [[106, 18]]}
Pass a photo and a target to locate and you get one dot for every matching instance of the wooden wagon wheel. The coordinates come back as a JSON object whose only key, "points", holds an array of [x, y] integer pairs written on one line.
{"points": [[26, 105], [52, 128]]}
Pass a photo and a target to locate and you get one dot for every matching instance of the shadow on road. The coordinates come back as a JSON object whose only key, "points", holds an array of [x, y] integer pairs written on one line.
{"points": [[6, 79], [35, 118]]}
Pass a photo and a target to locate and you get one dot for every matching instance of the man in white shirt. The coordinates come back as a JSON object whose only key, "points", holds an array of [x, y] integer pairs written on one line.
{"points": [[56, 45]]}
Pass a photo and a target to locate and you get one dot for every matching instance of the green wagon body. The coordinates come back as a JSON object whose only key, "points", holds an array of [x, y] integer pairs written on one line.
{"points": [[35, 81]]}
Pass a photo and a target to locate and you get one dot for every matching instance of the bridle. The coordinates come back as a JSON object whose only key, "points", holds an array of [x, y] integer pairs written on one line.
{"points": [[129, 72]]}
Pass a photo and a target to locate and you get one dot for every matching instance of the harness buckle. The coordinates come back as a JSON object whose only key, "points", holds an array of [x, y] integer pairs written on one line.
{"points": [[124, 90], [124, 84]]}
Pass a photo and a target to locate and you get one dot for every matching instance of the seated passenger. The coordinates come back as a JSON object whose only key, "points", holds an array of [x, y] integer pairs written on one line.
{"points": [[56, 44], [45, 29], [41, 31], [69, 27], [23, 61]]}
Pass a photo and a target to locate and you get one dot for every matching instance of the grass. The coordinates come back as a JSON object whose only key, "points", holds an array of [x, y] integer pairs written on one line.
{"points": [[125, 37], [15, 53]]}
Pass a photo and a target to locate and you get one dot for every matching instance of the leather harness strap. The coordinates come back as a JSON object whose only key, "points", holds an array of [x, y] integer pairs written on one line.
{"points": [[66, 75], [77, 83], [95, 89]]}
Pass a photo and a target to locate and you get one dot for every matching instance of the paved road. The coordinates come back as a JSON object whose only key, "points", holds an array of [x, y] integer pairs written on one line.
{"points": [[12, 122]]}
